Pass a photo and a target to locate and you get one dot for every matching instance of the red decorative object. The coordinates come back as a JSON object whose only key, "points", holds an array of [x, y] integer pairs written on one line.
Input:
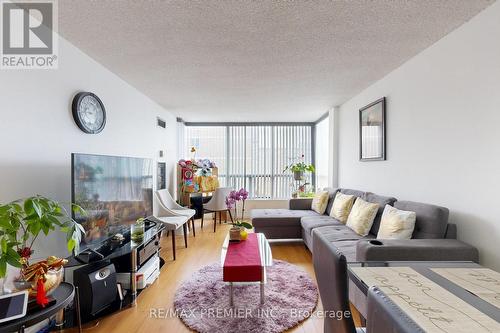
{"points": [[41, 298], [187, 174], [242, 263], [25, 252]]}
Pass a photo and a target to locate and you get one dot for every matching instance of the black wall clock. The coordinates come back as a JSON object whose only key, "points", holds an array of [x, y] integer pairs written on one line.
{"points": [[89, 113]]}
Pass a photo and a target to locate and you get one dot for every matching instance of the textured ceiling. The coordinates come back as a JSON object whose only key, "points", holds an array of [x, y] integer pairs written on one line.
{"points": [[257, 60]]}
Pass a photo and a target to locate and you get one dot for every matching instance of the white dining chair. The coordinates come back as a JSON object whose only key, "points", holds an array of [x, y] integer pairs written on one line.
{"points": [[173, 215], [217, 204], [169, 204]]}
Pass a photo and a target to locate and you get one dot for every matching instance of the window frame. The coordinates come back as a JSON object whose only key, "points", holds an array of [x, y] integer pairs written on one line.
{"points": [[227, 125]]}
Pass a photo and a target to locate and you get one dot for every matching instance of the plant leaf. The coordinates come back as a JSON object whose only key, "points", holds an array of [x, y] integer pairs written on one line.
{"points": [[246, 225], [4, 209], [71, 245], [3, 267], [4, 244], [13, 258], [53, 220], [5, 223], [37, 207], [28, 206]]}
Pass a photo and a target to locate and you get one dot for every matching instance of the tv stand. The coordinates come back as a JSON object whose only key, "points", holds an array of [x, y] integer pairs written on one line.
{"points": [[127, 256], [89, 256]]}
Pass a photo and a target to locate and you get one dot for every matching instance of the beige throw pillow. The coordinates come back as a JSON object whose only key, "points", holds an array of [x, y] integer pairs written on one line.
{"points": [[361, 217], [342, 206], [396, 224], [319, 202]]}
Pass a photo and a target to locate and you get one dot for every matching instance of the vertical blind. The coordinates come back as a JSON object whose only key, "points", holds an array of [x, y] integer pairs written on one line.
{"points": [[253, 156]]}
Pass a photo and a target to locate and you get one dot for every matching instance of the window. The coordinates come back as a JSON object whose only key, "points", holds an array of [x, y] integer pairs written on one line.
{"points": [[253, 156], [322, 146], [210, 142]]}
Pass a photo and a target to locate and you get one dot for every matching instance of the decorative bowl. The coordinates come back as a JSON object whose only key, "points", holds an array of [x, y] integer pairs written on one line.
{"points": [[53, 279]]}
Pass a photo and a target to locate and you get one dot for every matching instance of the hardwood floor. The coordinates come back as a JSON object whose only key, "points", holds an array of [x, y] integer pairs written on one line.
{"points": [[202, 250]]}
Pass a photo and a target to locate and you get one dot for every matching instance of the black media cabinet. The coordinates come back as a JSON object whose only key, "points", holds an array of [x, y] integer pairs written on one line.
{"points": [[127, 257]]}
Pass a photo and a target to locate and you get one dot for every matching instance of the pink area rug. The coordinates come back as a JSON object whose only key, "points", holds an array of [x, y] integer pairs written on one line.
{"points": [[202, 302]]}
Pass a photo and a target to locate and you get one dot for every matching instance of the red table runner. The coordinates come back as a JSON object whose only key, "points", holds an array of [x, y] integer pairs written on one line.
{"points": [[242, 263]]}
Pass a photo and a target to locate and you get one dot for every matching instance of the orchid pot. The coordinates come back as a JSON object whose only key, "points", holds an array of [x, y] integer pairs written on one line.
{"points": [[238, 231], [234, 234]]}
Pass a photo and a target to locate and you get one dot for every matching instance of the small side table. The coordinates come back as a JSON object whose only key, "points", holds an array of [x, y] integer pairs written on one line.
{"points": [[63, 295]]}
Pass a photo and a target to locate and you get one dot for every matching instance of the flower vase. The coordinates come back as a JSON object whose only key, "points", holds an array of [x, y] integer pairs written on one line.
{"points": [[234, 234]]}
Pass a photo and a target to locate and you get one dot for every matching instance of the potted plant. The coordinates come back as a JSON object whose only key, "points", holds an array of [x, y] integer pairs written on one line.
{"points": [[238, 231], [299, 168], [137, 231], [22, 221]]}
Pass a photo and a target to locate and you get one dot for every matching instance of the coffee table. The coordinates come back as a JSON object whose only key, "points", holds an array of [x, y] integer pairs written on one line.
{"points": [[246, 262]]}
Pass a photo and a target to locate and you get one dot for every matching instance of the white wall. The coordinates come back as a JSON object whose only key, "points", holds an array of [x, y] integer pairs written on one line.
{"points": [[333, 153], [38, 134], [443, 132]]}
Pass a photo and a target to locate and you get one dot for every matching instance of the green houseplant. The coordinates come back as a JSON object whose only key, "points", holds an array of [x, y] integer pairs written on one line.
{"points": [[22, 221], [299, 168]]}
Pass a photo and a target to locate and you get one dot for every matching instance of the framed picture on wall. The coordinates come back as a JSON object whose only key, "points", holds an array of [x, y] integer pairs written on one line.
{"points": [[372, 131]]}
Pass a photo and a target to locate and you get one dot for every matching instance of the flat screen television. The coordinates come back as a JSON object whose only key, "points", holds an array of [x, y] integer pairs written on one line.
{"points": [[114, 191]]}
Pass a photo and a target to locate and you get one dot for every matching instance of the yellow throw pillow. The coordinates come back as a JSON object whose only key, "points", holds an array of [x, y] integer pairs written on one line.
{"points": [[396, 224], [320, 201], [361, 217], [342, 206]]}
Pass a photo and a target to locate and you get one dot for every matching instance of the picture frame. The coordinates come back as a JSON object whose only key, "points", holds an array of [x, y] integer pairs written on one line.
{"points": [[372, 131]]}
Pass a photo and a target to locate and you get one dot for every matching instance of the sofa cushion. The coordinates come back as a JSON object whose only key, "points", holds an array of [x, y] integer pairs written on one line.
{"points": [[310, 222], [279, 217], [382, 201], [332, 192], [356, 193], [340, 232], [342, 206], [361, 217], [431, 220], [396, 224], [300, 203], [343, 238], [320, 202]]}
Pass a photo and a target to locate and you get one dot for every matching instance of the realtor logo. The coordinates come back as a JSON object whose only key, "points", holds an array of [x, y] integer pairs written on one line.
{"points": [[29, 34]]}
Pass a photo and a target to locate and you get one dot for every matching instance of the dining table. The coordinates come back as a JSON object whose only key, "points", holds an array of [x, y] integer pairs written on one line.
{"points": [[473, 286]]}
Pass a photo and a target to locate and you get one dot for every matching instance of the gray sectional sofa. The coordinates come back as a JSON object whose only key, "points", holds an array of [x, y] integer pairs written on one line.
{"points": [[433, 238]]}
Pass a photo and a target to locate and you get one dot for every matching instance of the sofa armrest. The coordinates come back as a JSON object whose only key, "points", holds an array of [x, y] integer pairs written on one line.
{"points": [[300, 204], [415, 250]]}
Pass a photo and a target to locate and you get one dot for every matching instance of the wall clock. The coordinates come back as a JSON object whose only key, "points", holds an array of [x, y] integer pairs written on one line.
{"points": [[89, 113]]}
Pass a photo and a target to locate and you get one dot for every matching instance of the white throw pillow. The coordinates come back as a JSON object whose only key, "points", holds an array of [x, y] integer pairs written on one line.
{"points": [[342, 206], [396, 224], [320, 201], [361, 217]]}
